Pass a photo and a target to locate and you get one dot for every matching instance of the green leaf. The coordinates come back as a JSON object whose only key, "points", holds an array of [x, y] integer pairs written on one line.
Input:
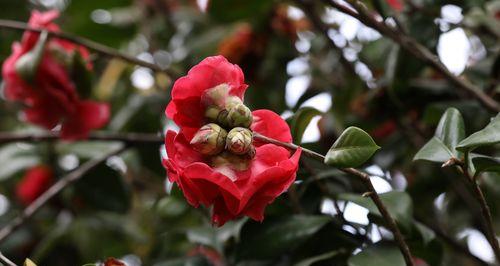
{"points": [[230, 10], [487, 136], [104, 188], [275, 237], [427, 234], [81, 75], [482, 163], [301, 120], [398, 203], [15, 158], [434, 151], [451, 129], [312, 260], [379, 255], [353, 148]]}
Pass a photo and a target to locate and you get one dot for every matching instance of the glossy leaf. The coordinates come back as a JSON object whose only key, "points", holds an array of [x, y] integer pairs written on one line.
{"points": [[434, 151], [487, 136], [398, 203], [483, 163], [301, 120], [451, 129], [274, 237], [353, 148], [378, 254], [15, 158]]}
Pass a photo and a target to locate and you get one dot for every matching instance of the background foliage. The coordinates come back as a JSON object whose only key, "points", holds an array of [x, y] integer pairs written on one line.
{"points": [[124, 209]]}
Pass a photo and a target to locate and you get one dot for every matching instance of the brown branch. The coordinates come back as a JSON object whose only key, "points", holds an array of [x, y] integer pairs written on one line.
{"points": [[365, 178], [485, 210], [65, 181], [418, 50], [128, 138], [94, 46], [6, 260]]}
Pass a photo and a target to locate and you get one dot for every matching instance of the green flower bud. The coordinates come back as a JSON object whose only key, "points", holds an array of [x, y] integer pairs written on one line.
{"points": [[216, 96], [27, 64], [239, 140], [209, 140], [239, 116]]}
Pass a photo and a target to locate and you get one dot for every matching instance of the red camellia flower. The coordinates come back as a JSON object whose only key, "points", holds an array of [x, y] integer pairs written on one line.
{"points": [[34, 182], [245, 177], [50, 96]]}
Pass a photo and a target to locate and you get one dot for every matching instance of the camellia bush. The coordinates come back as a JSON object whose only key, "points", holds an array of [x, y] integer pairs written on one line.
{"points": [[263, 132]]}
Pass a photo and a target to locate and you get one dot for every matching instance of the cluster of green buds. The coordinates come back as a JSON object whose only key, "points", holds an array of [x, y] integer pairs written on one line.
{"points": [[228, 128]]}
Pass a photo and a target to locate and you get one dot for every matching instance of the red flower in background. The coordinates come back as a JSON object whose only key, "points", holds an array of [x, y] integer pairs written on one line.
{"points": [[51, 97], [396, 4], [34, 182], [235, 185]]}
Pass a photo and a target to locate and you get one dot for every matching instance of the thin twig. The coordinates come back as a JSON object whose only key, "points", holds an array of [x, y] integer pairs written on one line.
{"points": [[365, 178], [64, 182], [485, 210], [128, 138], [418, 50], [94, 46], [6, 260]]}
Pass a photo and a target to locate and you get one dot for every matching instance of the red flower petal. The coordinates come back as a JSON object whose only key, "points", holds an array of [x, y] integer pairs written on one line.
{"points": [[271, 125], [89, 115], [34, 182]]}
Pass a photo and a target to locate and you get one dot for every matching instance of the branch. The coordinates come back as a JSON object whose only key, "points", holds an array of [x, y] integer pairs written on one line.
{"points": [[365, 178], [64, 182], [91, 45], [128, 138], [412, 46], [485, 210], [6, 260]]}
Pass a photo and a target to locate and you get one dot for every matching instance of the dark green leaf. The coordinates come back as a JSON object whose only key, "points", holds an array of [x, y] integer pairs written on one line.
{"points": [[353, 148], [451, 129], [398, 203], [311, 261], [301, 120], [81, 75], [483, 163], [487, 136], [230, 10], [434, 151], [14, 158], [275, 237], [104, 188], [379, 255]]}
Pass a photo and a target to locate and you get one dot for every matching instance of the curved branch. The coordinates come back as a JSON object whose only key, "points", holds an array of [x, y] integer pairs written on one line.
{"points": [[94, 46], [64, 182], [365, 178], [418, 50]]}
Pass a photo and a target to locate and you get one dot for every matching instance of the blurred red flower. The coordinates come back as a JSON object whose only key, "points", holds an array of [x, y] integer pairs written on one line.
{"points": [[34, 182], [51, 97], [396, 4], [234, 185]]}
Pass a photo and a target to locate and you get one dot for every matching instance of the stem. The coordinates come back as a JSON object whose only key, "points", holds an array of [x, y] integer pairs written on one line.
{"points": [[418, 50], [6, 260], [64, 182], [365, 178], [94, 46], [128, 138], [485, 211]]}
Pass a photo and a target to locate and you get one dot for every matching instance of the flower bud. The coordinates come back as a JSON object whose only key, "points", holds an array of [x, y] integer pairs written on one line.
{"points": [[239, 140], [27, 64], [209, 140], [216, 96], [239, 116]]}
